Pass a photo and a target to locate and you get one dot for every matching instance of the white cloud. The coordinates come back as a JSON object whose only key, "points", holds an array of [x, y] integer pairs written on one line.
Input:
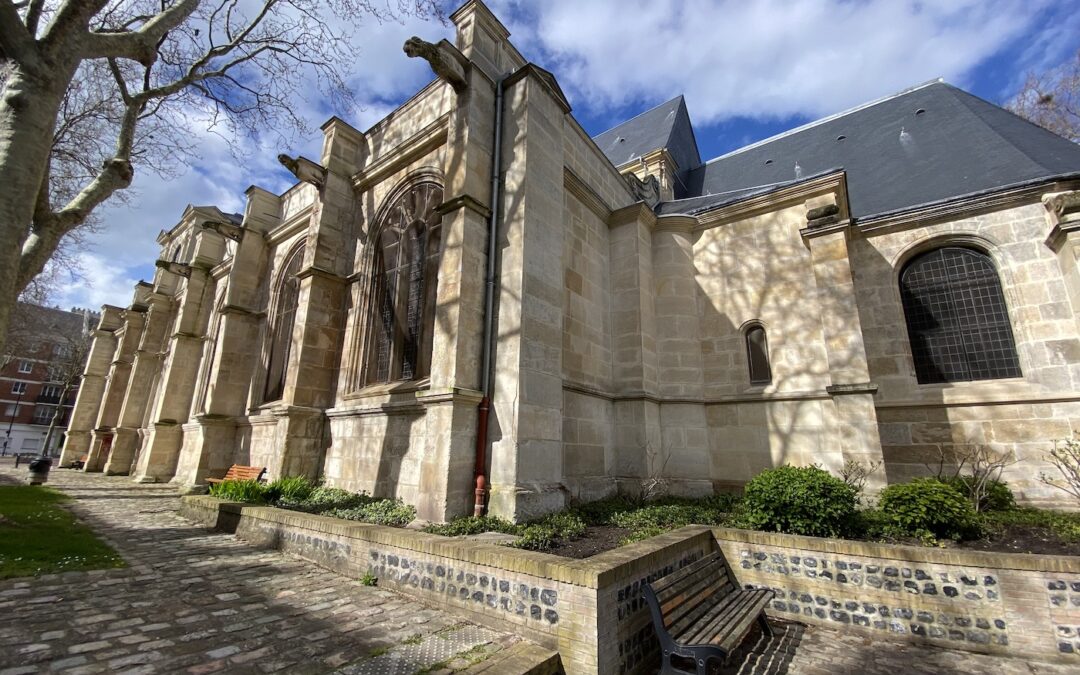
{"points": [[762, 59]]}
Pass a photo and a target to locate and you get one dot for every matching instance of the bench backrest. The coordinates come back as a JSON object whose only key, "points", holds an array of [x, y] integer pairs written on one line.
{"points": [[681, 598], [238, 472]]}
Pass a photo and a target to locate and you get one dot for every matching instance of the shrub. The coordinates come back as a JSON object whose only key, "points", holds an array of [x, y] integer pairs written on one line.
{"points": [[249, 491], [799, 500], [289, 489], [1064, 525], [392, 512], [472, 525], [996, 495], [322, 499], [929, 509]]}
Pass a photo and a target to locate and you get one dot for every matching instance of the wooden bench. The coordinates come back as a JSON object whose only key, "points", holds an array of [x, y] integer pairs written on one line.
{"points": [[78, 463], [700, 613], [238, 472]]}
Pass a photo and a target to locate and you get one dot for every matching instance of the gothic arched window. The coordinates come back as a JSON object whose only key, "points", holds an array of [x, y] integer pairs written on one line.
{"points": [[757, 355], [286, 297], [405, 273], [957, 321]]}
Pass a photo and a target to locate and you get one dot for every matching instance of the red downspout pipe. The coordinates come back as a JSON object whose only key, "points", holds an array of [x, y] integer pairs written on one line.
{"points": [[480, 494]]}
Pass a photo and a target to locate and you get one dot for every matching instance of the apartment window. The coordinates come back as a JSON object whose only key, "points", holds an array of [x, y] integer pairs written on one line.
{"points": [[18, 387], [404, 282], [25, 366], [757, 355], [43, 414], [957, 321]]}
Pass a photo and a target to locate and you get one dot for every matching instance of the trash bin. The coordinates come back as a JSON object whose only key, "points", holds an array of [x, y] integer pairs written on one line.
{"points": [[39, 470]]}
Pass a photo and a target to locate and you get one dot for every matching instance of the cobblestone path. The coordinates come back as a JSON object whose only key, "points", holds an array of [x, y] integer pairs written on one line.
{"points": [[197, 602], [192, 601]]}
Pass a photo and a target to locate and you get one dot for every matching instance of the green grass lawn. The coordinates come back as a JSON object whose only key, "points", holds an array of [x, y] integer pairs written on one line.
{"points": [[38, 536]]}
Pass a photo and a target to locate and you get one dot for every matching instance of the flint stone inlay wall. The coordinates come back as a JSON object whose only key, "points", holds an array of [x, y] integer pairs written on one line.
{"points": [[589, 610], [969, 600]]}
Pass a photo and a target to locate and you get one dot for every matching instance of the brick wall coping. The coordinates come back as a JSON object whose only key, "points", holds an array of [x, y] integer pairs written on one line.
{"points": [[596, 572], [914, 554]]}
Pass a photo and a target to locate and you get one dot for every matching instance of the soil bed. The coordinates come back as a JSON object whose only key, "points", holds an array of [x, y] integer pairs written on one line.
{"points": [[1024, 539], [597, 539]]}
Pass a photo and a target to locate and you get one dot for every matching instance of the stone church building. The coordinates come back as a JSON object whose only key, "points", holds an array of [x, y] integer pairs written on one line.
{"points": [[874, 286]]}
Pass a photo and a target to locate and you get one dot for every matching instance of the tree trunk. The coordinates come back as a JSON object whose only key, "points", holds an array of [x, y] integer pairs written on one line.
{"points": [[55, 418], [28, 112]]}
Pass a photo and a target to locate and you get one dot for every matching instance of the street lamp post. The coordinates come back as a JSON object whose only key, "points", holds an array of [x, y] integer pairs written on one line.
{"points": [[11, 421]]}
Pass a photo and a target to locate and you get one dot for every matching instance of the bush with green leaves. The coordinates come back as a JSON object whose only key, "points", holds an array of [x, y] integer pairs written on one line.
{"points": [[391, 512], [289, 488], [799, 500], [325, 498], [928, 509], [249, 491]]}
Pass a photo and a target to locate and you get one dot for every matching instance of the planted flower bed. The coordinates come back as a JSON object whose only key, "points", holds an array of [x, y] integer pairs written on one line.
{"points": [[792, 500], [301, 494]]}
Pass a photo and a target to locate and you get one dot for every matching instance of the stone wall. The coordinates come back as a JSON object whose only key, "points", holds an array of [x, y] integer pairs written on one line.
{"points": [[984, 602], [591, 610], [1024, 415]]}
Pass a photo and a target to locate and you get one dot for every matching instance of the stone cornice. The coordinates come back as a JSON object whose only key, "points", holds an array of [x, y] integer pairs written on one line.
{"points": [[419, 144], [313, 271], [962, 207], [792, 195], [677, 223], [585, 194], [463, 202], [638, 212]]}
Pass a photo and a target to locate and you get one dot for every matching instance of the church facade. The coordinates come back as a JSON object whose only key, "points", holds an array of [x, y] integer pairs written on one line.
{"points": [[474, 300]]}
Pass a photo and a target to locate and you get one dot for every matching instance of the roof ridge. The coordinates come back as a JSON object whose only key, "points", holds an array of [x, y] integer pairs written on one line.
{"points": [[643, 112], [829, 118]]}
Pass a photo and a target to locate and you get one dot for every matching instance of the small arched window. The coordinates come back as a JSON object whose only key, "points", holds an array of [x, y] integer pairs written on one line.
{"points": [[957, 321], [287, 296], [405, 272], [757, 355]]}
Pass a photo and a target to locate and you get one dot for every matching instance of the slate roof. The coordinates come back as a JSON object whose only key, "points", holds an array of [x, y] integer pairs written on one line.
{"points": [[928, 144], [665, 126]]}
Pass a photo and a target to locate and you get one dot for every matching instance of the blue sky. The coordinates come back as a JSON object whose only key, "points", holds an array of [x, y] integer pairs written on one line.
{"points": [[749, 69]]}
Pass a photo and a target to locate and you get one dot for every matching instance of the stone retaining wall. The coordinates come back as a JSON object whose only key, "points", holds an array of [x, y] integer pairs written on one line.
{"points": [[589, 610], [592, 613], [970, 600]]}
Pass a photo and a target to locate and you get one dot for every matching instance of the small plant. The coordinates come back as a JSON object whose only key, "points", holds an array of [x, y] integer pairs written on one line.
{"points": [[799, 500], [460, 527], [996, 495], [974, 468], [247, 491], [928, 509], [368, 579], [855, 473], [324, 498], [1065, 457], [289, 489], [391, 512]]}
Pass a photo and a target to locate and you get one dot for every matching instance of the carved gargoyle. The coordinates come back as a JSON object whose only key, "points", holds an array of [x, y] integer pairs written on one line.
{"points": [[1064, 207], [442, 58], [181, 269], [304, 169], [229, 230], [647, 190]]}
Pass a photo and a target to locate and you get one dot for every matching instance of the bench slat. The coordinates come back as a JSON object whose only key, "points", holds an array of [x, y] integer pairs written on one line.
{"points": [[679, 589], [660, 585], [690, 613], [706, 630], [240, 472], [678, 606], [733, 632]]}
